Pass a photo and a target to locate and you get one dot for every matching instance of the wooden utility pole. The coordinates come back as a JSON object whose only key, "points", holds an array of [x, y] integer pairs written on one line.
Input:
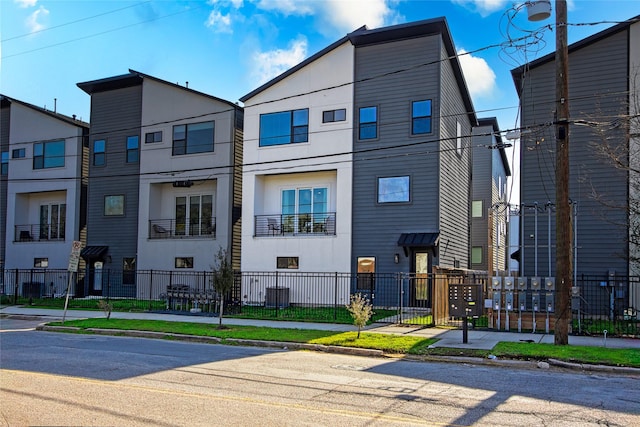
{"points": [[563, 209]]}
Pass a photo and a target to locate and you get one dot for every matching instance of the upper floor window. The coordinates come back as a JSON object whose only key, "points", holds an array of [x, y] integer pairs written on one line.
{"points": [[393, 189], [133, 149], [421, 117], [476, 209], [368, 123], [194, 215], [152, 137], [114, 205], [285, 127], [18, 153], [193, 138], [48, 154], [5, 163], [99, 155], [334, 116]]}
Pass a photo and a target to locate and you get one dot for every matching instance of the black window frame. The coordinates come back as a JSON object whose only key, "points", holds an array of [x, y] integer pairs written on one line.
{"points": [[133, 154], [180, 146], [99, 157], [18, 153], [153, 137], [416, 119], [288, 262], [329, 116], [298, 133], [362, 126], [40, 160], [37, 262], [187, 262], [4, 167]]}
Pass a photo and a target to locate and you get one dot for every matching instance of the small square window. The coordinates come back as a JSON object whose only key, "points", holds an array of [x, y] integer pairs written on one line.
{"points": [[114, 205], [40, 262], [287, 262], [184, 262]]}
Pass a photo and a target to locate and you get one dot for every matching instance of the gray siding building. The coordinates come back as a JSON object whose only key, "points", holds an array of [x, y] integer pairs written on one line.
{"points": [[603, 95]]}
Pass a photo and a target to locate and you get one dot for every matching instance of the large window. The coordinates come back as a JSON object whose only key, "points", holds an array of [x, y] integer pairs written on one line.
{"points": [[133, 145], [368, 122], [421, 117], [48, 155], [304, 210], [194, 215], [52, 221], [99, 155], [285, 127], [5, 163], [193, 138], [393, 189]]}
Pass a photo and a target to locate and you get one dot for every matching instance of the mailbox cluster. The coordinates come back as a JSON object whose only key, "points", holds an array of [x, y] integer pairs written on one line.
{"points": [[521, 295]]}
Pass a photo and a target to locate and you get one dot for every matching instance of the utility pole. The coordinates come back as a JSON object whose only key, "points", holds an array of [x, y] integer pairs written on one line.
{"points": [[563, 209]]}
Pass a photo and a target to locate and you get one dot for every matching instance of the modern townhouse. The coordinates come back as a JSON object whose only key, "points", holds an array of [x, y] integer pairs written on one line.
{"points": [[358, 160], [164, 178], [603, 109], [490, 247], [43, 190]]}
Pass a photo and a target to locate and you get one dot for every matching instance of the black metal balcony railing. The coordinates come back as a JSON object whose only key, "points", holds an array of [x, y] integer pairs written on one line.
{"points": [[39, 232], [172, 229], [295, 224]]}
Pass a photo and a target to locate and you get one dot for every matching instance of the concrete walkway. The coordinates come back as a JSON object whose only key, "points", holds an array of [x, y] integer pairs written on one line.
{"points": [[476, 339]]}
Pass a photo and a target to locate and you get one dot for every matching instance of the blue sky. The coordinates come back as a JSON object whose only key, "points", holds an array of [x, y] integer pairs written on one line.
{"points": [[227, 48]]}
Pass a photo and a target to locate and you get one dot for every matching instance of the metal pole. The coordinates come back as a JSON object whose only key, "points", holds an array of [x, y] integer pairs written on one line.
{"points": [[535, 238], [563, 213]]}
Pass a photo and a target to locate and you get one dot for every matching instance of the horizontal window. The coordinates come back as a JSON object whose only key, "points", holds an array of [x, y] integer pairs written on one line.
{"points": [[184, 262], [285, 127], [334, 116], [290, 262], [40, 262], [393, 189], [48, 155], [193, 138], [152, 137], [18, 153]]}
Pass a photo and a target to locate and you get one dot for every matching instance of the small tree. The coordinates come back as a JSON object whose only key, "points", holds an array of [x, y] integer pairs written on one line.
{"points": [[106, 307], [361, 310], [222, 279]]}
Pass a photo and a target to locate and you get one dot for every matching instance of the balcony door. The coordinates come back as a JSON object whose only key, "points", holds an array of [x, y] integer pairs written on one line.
{"points": [[194, 215], [304, 210], [52, 221]]}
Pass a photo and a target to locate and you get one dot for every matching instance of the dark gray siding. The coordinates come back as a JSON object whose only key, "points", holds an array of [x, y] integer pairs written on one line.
{"points": [[598, 81], [115, 115], [5, 114], [377, 227], [482, 189], [455, 172]]}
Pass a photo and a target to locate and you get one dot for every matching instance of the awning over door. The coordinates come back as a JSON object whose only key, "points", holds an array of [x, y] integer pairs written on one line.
{"points": [[418, 240], [93, 252]]}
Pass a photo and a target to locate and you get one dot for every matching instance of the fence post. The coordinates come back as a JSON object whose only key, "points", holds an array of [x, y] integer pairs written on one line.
{"points": [[15, 288], [150, 288], [335, 298], [108, 283], [277, 295]]}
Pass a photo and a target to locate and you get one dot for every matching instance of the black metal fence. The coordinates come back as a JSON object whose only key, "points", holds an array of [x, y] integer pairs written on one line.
{"points": [[598, 304]]}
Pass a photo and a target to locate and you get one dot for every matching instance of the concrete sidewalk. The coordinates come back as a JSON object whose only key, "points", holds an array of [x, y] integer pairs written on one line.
{"points": [[476, 339]]}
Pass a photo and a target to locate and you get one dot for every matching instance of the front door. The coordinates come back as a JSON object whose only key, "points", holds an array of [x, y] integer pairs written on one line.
{"points": [[420, 289]]}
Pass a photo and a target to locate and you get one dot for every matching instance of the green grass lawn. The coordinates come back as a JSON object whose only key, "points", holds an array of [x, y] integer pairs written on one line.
{"points": [[400, 344]]}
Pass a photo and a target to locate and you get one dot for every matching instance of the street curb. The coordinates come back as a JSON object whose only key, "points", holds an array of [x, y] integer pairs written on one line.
{"points": [[595, 368]]}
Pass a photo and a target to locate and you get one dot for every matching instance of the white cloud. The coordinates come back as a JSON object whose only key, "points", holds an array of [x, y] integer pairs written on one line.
{"points": [[288, 7], [237, 4], [218, 22], [25, 3], [274, 62], [480, 78], [32, 22], [483, 7], [346, 16]]}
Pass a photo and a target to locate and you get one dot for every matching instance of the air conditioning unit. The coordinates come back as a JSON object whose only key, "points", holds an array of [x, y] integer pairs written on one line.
{"points": [[277, 298]]}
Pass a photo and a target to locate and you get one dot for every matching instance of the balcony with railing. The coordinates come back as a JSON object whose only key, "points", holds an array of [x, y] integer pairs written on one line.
{"points": [[39, 232], [282, 225], [172, 229]]}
